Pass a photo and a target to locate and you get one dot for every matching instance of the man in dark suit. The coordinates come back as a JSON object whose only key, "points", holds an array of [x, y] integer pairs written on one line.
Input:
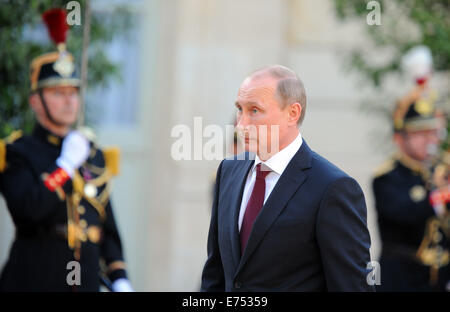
{"points": [[287, 220]]}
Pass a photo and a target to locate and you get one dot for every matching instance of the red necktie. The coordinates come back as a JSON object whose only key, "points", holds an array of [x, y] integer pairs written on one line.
{"points": [[254, 205]]}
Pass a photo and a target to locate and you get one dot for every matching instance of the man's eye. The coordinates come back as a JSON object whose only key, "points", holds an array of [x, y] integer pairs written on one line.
{"points": [[239, 109], [255, 110]]}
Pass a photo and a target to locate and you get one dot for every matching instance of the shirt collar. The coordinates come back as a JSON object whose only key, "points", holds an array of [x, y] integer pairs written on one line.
{"points": [[280, 160]]}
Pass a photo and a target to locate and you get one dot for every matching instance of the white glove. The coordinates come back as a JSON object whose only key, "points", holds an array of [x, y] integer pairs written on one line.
{"points": [[121, 285], [74, 152]]}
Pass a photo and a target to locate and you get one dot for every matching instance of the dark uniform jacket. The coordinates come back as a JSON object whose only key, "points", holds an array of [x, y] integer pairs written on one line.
{"points": [[405, 218], [40, 253]]}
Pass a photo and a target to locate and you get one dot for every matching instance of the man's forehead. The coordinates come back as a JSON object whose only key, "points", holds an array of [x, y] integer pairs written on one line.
{"points": [[422, 132], [61, 88], [257, 87]]}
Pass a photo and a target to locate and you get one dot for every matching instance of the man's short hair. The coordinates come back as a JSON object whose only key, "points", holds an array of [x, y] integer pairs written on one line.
{"points": [[290, 88]]}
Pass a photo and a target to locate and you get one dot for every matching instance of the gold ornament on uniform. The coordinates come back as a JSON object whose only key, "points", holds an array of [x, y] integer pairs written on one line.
{"points": [[94, 234], [78, 229], [81, 210], [112, 159], [417, 193], [64, 65], [430, 252], [90, 190], [2, 155], [423, 107], [53, 139], [419, 101], [398, 123], [10, 139]]}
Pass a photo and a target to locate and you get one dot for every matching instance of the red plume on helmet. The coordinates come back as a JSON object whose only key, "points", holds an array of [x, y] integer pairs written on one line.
{"points": [[55, 19], [56, 68]]}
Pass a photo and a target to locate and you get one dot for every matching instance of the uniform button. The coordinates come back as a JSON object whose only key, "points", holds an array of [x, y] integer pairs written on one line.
{"points": [[81, 210], [83, 223], [237, 284]]}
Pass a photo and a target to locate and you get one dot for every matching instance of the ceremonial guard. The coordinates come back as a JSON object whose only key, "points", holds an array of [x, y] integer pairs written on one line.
{"points": [[412, 191], [56, 183]]}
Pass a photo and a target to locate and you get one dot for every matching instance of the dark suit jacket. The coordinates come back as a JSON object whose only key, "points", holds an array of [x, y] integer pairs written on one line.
{"points": [[311, 234]]}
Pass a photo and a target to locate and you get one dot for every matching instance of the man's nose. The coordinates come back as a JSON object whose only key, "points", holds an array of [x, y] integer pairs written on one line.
{"points": [[69, 98], [433, 137], [242, 121]]}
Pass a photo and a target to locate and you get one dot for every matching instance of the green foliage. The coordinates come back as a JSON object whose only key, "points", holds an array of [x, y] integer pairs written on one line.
{"points": [[17, 51], [430, 17]]}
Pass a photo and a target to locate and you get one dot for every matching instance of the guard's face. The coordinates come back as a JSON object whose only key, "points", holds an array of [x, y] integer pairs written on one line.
{"points": [[261, 120], [421, 145], [63, 104]]}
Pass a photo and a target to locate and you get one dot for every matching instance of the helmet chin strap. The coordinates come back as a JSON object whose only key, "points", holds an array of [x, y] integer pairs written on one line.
{"points": [[409, 151], [47, 112]]}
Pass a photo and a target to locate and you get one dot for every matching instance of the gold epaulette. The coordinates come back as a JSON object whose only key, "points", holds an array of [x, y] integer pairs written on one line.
{"points": [[385, 168], [112, 159], [88, 133], [2, 155], [8, 140]]}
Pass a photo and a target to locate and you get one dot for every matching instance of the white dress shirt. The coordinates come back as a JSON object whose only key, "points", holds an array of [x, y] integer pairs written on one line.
{"points": [[277, 164]]}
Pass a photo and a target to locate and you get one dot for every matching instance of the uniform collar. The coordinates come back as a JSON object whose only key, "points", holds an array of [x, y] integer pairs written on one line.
{"points": [[47, 136], [413, 165], [280, 160]]}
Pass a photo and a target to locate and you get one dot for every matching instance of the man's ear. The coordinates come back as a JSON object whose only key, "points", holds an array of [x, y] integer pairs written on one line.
{"points": [[35, 103], [398, 138], [32, 100], [294, 111]]}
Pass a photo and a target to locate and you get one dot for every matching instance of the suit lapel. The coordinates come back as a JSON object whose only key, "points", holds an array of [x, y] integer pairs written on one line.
{"points": [[290, 181], [239, 179]]}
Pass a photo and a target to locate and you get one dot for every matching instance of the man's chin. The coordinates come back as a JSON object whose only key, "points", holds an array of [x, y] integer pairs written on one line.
{"points": [[421, 158], [66, 122]]}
